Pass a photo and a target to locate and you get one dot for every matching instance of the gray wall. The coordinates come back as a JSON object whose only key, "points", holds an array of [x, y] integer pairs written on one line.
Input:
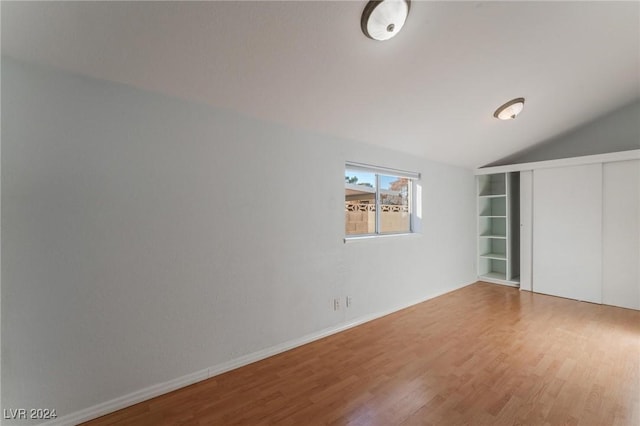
{"points": [[145, 238], [616, 131]]}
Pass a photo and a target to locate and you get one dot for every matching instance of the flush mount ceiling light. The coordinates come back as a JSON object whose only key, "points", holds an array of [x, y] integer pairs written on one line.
{"points": [[383, 19], [510, 110]]}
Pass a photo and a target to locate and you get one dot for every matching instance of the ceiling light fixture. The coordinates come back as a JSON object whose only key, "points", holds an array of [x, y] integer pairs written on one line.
{"points": [[510, 110], [383, 19]]}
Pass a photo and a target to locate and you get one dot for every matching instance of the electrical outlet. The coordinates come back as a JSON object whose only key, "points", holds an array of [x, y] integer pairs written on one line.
{"points": [[336, 304], [348, 301]]}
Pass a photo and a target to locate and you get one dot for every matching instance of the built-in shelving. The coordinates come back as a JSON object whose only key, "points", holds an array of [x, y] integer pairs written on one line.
{"points": [[497, 256], [497, 259], [493, 276]]}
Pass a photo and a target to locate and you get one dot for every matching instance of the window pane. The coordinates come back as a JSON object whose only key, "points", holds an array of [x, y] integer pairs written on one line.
{"points": [[394, 204], [360, 202]]}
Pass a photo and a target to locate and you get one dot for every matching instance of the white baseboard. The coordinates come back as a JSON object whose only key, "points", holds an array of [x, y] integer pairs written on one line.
{"points": [[128, 400], [186, 380]]}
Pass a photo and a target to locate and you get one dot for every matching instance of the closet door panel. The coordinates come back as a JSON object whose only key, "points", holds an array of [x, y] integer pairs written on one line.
{"points": [[621, 234], [526, 228], [567, 232]]}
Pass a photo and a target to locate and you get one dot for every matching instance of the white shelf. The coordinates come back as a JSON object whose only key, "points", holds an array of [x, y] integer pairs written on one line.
{"points": [[492, 196], [495, 276], [498, 230], [498, 256]]}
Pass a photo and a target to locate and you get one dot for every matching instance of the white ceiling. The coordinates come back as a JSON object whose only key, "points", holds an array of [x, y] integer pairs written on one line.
{"points": [[430, 91]]}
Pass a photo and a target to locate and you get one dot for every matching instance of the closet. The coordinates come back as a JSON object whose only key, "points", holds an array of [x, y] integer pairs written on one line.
{"points": [[498, 223], [621, 234], [567, 232], [578, 228]]}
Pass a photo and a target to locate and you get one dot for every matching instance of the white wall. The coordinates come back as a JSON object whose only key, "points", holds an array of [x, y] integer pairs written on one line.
{"points": [[145, 238]]}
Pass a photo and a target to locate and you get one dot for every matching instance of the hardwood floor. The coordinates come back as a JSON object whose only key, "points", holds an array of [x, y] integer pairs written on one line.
{"points": [[482, 355]]}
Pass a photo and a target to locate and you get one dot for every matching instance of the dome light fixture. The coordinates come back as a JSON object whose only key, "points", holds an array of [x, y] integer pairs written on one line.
{"points": [[383, 19], [510, 110]]}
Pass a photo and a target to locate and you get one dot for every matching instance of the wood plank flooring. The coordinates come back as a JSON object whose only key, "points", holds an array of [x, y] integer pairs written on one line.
{"points": [[482, 355]]}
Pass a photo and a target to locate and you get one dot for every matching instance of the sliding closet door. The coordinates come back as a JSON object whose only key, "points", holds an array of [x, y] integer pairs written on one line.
{"points": [[526, 228], [567, 232], [621, 234]]}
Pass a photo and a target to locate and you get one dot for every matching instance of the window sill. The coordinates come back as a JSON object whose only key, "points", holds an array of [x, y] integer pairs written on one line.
{"points": [[378, 237]]}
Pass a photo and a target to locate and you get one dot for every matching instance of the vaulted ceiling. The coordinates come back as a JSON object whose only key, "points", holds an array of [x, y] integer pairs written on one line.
{"points": [[430, 91]]}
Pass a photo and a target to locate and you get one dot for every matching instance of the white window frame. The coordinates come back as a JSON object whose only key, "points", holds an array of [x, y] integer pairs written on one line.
{"points": [[378, 170]]}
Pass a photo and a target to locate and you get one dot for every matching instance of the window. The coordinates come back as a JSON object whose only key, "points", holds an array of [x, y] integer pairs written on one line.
{"points": [[377, 200]]}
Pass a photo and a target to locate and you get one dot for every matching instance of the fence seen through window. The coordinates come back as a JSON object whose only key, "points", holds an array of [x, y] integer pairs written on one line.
{"points": [[377, 201]]}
